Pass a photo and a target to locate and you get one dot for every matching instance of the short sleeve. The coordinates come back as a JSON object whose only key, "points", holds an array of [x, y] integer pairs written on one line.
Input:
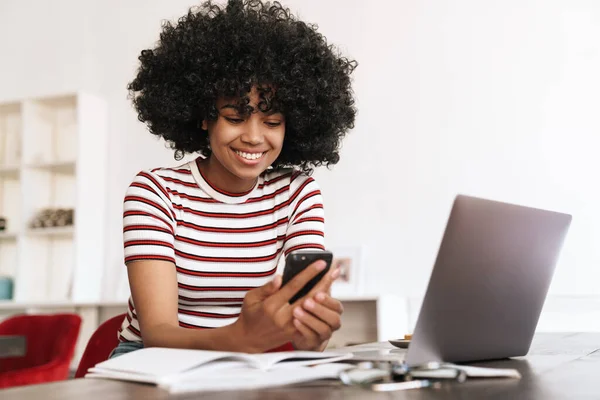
{"points": [[148, 220], [306, 229]]}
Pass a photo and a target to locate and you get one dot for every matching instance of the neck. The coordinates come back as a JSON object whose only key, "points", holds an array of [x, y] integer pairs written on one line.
{"points": [[221, 178]]}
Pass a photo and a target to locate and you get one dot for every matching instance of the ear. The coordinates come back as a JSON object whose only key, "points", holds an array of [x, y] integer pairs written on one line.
{"points": [[204, 125]]}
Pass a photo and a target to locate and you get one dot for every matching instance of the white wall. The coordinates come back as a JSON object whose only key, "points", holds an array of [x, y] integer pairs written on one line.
{"points": [[496, 99]]}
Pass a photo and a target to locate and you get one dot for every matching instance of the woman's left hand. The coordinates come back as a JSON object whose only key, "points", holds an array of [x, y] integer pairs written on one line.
{"points": [[316, 319]]}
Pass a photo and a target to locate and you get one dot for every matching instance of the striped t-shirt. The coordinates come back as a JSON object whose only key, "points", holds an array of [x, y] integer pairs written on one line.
{"points": [[221, 244]]}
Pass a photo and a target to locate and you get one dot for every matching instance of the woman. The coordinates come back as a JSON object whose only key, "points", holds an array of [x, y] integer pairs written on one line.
{"points": [[263, 99]]}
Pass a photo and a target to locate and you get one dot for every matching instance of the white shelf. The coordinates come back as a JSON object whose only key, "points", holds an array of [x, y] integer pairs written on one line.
{"points": [[53, 155], [10, 171], [60, 167], [48, 232], [8, 236]]}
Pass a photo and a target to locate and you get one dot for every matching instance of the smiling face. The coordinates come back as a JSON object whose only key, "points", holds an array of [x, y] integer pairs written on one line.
{"points": [[243, 146]]}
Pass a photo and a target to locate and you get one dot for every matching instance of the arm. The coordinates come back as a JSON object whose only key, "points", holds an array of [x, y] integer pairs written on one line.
{"points": [[154, 290], [148, 233]]}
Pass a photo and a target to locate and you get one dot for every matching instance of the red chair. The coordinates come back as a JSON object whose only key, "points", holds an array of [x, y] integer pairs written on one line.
{"points": [[51, 343], [102, 342]]}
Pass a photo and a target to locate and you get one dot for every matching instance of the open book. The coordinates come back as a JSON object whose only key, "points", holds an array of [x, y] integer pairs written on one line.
{"points": [[191, 370]]}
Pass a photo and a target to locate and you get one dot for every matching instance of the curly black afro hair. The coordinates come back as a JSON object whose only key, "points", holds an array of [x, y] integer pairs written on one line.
{"points": [[224, 51]]}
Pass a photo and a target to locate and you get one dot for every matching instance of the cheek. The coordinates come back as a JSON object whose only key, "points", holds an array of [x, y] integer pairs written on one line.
{"points": [[277, 139], [219, 136]]}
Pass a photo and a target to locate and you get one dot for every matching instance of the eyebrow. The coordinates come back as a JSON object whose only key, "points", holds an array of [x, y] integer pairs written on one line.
{"points": [[229, 106]]}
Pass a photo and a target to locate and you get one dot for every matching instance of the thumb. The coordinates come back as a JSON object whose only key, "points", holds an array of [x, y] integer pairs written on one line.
{"points": [[269, 288]]}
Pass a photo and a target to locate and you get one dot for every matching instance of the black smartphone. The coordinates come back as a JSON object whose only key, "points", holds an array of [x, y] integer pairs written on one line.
{"points": [[297, 261]]}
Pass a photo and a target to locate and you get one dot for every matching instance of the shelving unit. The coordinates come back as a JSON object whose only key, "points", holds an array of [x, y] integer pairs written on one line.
{"points": [[53, 154]]}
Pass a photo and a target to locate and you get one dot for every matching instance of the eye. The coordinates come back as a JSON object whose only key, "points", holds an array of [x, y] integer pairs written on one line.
{"points": [[234, 120], [273, 124]]}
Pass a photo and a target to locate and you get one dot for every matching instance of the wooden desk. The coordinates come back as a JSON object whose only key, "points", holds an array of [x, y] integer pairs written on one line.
{"points": [[559, 366]]}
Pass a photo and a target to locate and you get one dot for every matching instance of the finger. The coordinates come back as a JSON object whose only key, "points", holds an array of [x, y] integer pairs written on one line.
{"points": [[324, 285], [329, 302], [306, 332], [330, 317], [297, 283], [266, 290], [319, 327]]}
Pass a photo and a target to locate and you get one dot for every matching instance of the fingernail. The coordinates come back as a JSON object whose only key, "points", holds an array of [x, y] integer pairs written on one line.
{"points": [[320, 265], [336, 273], [298, 312], [320, 296], [309, 303]]}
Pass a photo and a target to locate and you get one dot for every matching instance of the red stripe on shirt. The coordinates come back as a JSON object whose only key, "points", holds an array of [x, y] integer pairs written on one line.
{"points": [[306, 197], [146, 242], [190, 326], [181, 171], [153, 180], [220, 274], [277, 179], [303, 233], [309, 219], [192, 198], [211, 300], [299, 190], [214, 288], [150, 203], [269, 211], [304, 246], [267, 227], [180, 182], [313, 207], [268, 196], [262, 243], [136, 213], [207, 314], [154, 228], [226, 259], [146, 257]]}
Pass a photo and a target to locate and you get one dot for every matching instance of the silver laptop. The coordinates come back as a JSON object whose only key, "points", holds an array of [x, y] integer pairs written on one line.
{"points": [[488, 284]]}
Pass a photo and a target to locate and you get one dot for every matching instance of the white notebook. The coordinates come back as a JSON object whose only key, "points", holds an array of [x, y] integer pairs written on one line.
{"points": [[167, 367]]}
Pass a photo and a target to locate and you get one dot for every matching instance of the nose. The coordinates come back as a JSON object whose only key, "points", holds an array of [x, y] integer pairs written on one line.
{"points": [[253, 134]]}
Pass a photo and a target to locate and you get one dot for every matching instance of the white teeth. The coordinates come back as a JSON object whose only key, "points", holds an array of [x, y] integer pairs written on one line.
{"points": [[249, 156]]}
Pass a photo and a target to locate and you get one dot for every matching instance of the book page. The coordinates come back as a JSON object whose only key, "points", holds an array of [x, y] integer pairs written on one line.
{"points": [[160, 362], [252, 378], [286, 359]]}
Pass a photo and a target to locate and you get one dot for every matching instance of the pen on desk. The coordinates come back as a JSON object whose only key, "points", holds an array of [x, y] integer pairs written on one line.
{"points": [[392, 386]]}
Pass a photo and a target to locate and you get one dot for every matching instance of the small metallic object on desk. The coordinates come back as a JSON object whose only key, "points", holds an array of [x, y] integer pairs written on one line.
{"points": [[435, 370], [391, 376], [394, 386]]}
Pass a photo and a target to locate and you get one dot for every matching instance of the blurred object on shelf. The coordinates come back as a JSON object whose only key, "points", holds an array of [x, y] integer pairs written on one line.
{"points": [[6, 288], [2, 224], [52, 217]]}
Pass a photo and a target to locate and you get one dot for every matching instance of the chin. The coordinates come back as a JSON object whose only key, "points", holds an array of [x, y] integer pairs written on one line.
{"points": [[248, 173]]}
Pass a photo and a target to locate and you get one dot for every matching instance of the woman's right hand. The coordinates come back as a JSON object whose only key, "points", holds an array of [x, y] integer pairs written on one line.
{"points": [[265, 321]]}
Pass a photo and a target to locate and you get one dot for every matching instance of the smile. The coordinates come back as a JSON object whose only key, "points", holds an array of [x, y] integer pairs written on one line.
{"points": [[249, 156]]}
